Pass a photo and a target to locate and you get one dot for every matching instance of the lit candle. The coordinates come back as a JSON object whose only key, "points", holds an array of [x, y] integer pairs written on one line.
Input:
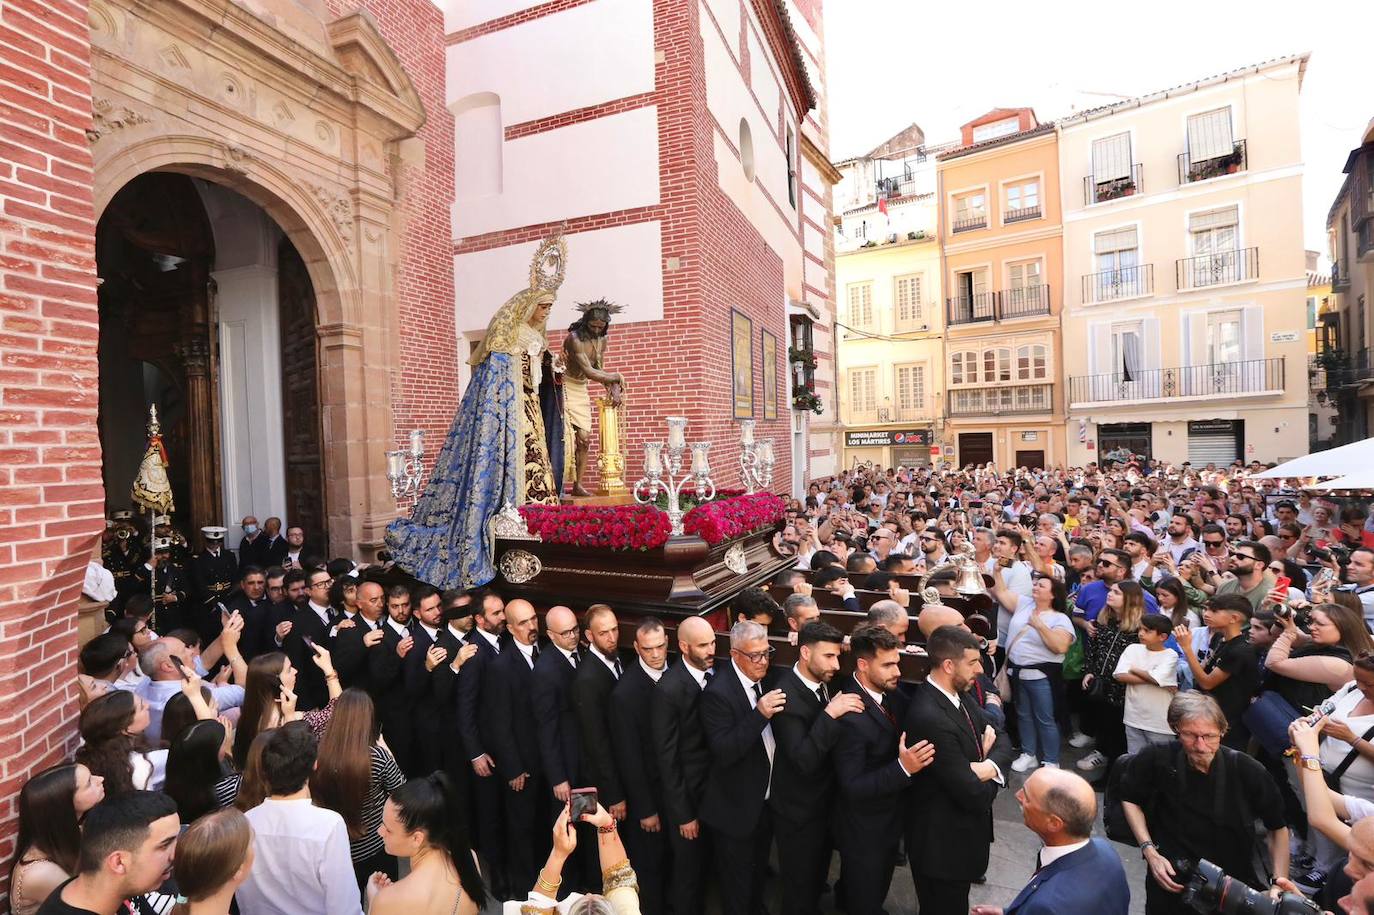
{"points": [[746, 432], [677, 431], [700, 464], [395, 465], [651, 456]]}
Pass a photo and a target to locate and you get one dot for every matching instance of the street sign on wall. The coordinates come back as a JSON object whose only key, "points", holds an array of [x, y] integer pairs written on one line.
{"points": [[881, 438]]}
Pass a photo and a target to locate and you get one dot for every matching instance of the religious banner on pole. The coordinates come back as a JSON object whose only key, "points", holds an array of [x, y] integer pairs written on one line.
{"points": [[152, 491]]}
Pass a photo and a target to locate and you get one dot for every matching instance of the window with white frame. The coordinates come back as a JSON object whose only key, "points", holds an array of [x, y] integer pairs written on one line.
{"points": [[996, 364], [911, 388], [906, 295], [860, 304], [1023, 199], [1023, 285], [1117, 252], [863, 390], [970, 210], [1003, 128], [1225, 344], [963, 368], [1214, 231], [1032, 362], [1209, 135]]}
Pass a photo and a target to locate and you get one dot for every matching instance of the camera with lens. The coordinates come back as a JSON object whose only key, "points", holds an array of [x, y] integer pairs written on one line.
{"points": [[1302, 616], [1206, 888]]}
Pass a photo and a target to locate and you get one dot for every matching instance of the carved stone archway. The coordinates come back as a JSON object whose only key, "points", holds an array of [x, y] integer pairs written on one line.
{"points": [[314, 121]]}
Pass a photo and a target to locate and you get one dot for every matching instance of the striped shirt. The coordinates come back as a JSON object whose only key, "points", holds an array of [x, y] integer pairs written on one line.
{"points": [[386, 778]]}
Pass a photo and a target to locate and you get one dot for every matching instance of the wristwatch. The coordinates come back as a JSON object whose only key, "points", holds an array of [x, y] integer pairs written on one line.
{"points": [[1310, 762], [1145, 846]]}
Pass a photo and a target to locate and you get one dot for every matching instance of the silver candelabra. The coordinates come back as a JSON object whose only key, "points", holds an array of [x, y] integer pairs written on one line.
{"points": [[755, 459], [662, 461], [406, 469]]}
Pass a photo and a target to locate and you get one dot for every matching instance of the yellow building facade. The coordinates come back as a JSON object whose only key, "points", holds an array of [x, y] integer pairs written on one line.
{"points": [[1001, 268]]}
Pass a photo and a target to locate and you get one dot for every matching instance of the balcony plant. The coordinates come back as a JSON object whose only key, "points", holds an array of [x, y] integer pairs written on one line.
{"points": [[804, 398], [803, 357]]}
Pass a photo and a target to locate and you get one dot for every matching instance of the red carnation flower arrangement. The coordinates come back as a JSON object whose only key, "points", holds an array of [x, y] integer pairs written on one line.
{"points": [[644, 527]]}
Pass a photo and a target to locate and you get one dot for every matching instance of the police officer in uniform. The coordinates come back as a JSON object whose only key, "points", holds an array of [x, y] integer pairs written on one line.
{"points": [[213, 574], [121, 554], [170, 593]]}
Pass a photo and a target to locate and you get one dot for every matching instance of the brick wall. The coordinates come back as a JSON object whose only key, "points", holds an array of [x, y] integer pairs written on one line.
{"points": [[51, 496], [425, 395]]}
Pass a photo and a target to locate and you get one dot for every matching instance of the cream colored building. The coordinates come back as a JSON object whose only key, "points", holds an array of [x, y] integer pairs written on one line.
{"points": [[889, 333], [1183, 328]]}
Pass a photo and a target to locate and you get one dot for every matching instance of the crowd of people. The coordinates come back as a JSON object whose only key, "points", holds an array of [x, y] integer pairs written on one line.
{"points": [[310, 737]]}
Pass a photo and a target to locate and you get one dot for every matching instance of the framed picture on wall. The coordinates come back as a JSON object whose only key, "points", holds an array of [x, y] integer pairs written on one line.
{"points": [[770, 376], [742, 363]]}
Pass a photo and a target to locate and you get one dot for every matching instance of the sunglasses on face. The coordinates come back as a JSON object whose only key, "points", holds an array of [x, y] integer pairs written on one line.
{"points": [[1214, 544]]}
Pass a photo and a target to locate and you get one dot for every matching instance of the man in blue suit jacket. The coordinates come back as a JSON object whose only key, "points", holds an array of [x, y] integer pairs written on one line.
{"points": [[1075, 872]]}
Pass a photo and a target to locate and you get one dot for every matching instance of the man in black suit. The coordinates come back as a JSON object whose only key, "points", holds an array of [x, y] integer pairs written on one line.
{"points": [[270, 547], [949, 827], [874, 765], [803, 794], [386, 679], [313, 621], [453, 638], [489, 636], [506, 720], [591, 693], [251, 603], [426, 709], [684, 760], [736, 715], [634, 756], [353, 644]]}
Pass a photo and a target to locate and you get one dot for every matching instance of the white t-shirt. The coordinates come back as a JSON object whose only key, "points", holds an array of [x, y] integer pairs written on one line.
{"points": [[1358, 780], [1147, 704]]}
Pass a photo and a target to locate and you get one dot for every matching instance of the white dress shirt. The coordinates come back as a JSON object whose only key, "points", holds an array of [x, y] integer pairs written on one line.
{"points": [[769, 744], [321, 612], [1052, 853], [610, 664], [653, 674], [302, 865], [397, 628], [697, 675], [492, 640], [527, 651]]}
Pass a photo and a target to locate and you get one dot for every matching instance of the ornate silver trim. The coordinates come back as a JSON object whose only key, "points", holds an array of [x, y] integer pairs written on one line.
{"points": [[508, 524], [735, 559], [519, 566]]}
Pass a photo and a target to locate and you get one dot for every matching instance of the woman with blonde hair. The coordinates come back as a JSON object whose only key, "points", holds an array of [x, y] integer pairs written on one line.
{"points": [[214, 855], [1118, 626]]}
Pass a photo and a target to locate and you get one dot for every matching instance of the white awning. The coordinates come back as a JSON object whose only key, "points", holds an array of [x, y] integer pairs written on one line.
{"points": [[1360, 479], [1357, 457]]}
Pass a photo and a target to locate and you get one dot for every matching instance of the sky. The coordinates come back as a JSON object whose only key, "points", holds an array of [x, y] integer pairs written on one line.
{"points": [[892, 62]]}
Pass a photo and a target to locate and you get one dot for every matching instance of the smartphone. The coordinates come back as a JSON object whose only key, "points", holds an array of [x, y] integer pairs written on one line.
{"points": [[181, 666], [582, 800], [310, 643], [1282, 583]]}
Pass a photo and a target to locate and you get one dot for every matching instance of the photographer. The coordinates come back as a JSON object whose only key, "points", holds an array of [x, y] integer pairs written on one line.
{"points": [[1307, 667], [1202, 800], [1328, 810]]}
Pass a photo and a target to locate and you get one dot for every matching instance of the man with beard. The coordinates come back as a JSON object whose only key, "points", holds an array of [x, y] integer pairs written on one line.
{"points": [[583, 349], [386, 678]]}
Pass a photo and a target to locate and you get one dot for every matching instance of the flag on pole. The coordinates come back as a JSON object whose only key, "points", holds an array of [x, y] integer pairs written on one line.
{"points": [[882, 205], [152, 492]]}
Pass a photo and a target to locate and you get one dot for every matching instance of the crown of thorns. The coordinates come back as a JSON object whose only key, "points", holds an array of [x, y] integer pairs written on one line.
{"points": [[600, 305]]}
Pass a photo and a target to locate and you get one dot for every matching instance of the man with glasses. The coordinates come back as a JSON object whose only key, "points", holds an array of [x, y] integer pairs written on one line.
{"points": [[1112, 566], [736, 713], [1197, 800], [311, 621], [932, 549], [1249, 565]]}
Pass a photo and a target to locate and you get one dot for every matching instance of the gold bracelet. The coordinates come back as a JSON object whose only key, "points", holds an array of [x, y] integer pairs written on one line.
{"points": [[552, 888]]}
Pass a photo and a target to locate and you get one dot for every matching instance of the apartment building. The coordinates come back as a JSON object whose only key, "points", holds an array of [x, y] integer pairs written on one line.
{"points": [[1183, 329], [1343, 370], [887, 276], [1000, 229]]}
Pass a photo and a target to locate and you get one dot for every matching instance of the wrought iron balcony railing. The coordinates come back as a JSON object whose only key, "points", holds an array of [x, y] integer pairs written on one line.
{"points": [[1220, 379], [1100, 190], [970, 222], [970, 309], [1021, 302], [1021, 398], [1032, 212], [1122, 283], [1190, 170], [1218, 268]]}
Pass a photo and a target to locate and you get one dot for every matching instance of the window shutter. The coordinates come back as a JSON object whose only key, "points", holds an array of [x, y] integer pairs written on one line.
{"points": [[1252, 332], [1214, 219], [1112, 158], [1115, 240], [1209, 135]]}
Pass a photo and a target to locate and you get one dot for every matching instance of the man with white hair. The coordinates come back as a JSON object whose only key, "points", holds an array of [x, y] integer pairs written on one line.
{"points": [[159, 662], [735, 713]]}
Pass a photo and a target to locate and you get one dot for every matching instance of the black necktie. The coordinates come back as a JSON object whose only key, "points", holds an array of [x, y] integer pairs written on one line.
{"points": [[573, 658], [707, 677], [758, 693], [823, 694], [1038, 865], [615, 662], [887, 711], [534, 652]]}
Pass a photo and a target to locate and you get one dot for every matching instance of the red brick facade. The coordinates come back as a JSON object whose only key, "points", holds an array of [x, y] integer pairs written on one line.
{"points": [[714, 261], [51, 497]]}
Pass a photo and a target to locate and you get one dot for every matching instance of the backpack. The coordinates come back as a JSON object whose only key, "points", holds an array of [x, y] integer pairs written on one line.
{"points": [[1113, 814]]}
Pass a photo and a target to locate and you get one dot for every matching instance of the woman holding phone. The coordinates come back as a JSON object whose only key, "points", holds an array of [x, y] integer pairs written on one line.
{"points": [[269, 698], [619, 893]]}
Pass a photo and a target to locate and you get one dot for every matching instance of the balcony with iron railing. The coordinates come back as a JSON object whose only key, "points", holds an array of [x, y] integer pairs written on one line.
{"points": [[996, 401], [1020, 302], [1362, 188], [1097, 190], [1215, 380], [918, 411], [1340, 277], [969, 222], [1021, 214], [1335, 369], [1192, 170], [1217, 269], [1121, 283]]}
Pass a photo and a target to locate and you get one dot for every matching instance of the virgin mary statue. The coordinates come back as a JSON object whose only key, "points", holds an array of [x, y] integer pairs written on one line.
{"points": [[496, 453]]}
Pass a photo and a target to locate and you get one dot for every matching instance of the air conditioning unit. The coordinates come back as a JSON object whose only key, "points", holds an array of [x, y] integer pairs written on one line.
{"points": [[922, 327]]}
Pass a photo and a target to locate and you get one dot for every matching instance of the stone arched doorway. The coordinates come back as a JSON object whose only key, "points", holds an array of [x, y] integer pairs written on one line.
{"points": [[312, 121]]}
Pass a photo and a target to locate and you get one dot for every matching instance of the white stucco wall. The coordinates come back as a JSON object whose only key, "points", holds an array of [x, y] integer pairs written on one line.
{"points": [[623, 264]]}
